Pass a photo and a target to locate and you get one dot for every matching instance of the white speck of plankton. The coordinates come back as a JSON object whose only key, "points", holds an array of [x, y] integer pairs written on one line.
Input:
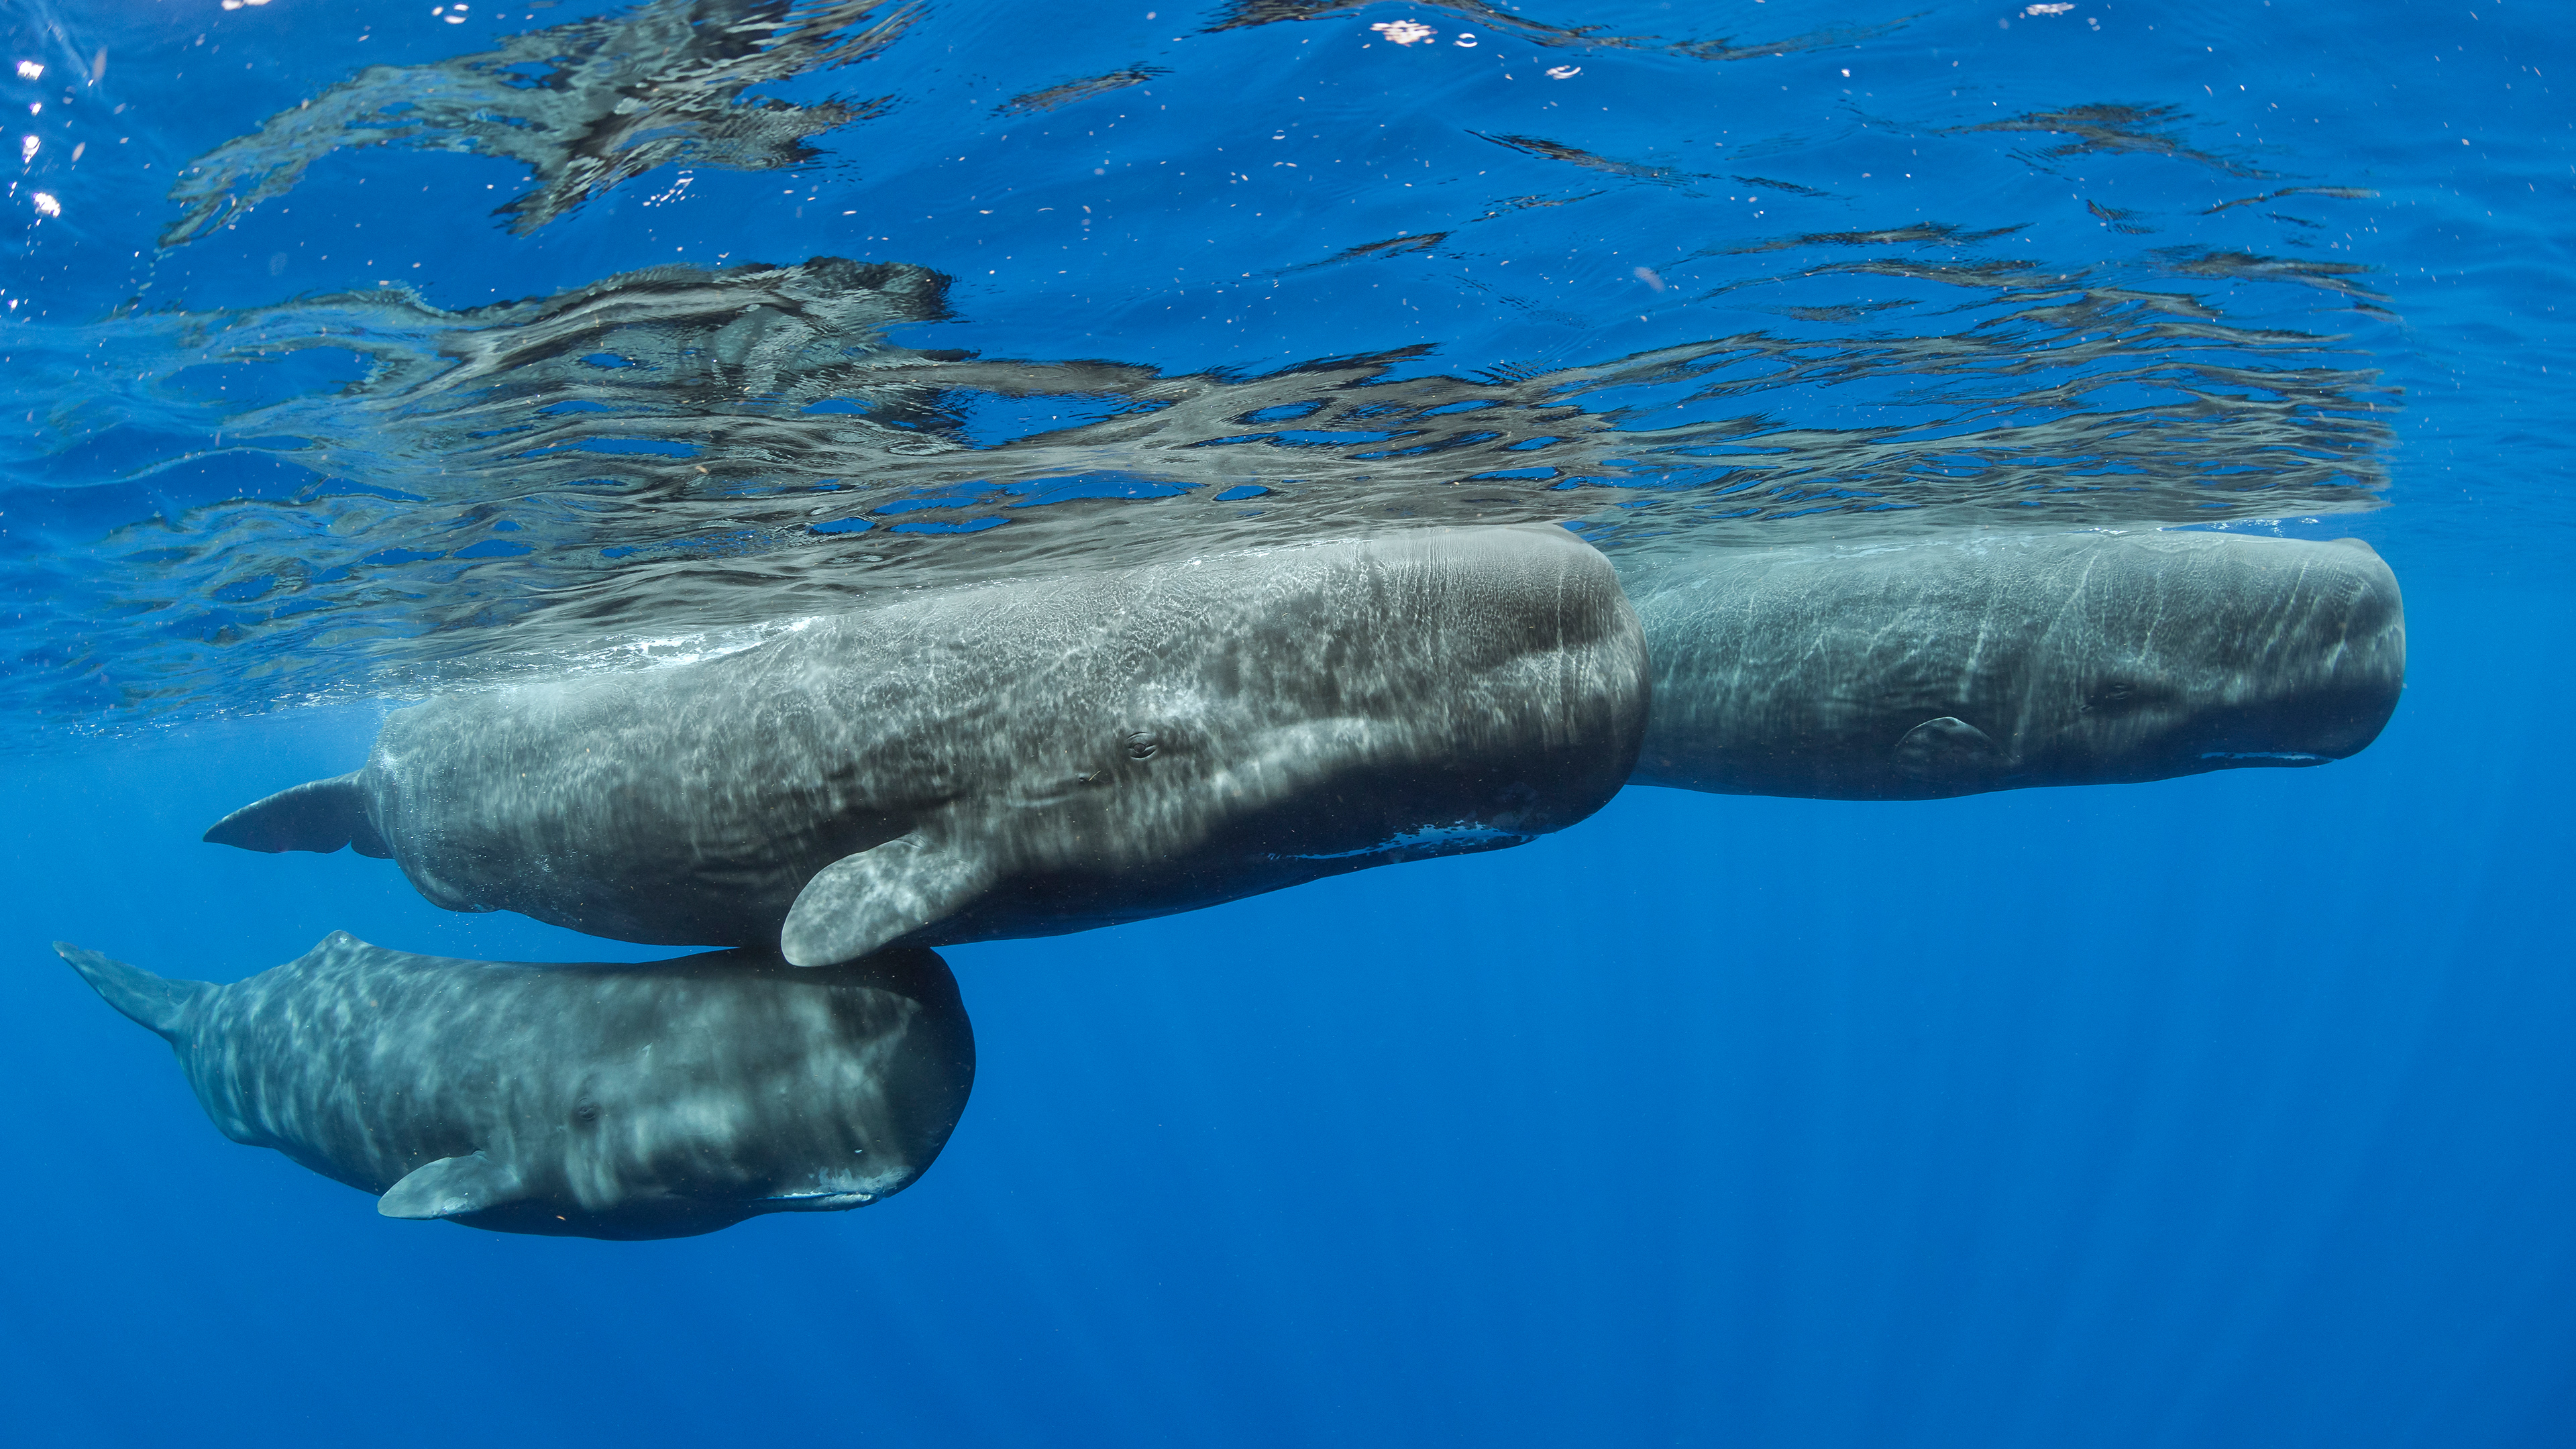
{"points": [[29, 70], [1404, 32], [2058, 9], [45, 203], [1564, 72], [237, 4], [27, 146]]}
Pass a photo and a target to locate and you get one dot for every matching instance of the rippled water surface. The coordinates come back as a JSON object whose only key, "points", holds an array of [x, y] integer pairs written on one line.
{"points": [[408, 348]]}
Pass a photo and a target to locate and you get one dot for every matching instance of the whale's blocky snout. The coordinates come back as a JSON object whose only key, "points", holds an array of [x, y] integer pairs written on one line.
{"points": [[2367, 673], [1956, 665], [2332, 678]]}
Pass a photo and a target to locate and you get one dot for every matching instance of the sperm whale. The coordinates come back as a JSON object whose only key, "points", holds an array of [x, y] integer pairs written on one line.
{"points": [[1025, 758], [603, 1101]]}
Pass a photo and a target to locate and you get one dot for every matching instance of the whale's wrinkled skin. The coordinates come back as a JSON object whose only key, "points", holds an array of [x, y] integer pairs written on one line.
{"points": [[649, 1101], [1989, 663], [1023, 759]]}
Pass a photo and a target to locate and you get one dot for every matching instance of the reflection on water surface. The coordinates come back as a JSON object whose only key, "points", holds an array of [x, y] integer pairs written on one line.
{"points": [[1476, 291]]}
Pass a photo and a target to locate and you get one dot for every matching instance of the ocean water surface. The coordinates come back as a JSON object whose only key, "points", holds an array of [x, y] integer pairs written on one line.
{"points": [[357, 351]]}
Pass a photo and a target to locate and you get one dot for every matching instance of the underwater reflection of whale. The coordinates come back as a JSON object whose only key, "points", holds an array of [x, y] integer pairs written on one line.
{"points": [[1022, 759], [649, 1101], [1987, 663]]}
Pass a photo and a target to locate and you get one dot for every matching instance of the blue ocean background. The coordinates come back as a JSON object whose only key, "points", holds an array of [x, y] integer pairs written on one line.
{"points": [[2229, 1110]]}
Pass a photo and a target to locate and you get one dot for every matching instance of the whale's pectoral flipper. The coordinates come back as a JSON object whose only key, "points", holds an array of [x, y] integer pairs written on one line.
{"points": [[155, 1001], [452, 1186], [320, 816], [1948, 749], [860, 902]]}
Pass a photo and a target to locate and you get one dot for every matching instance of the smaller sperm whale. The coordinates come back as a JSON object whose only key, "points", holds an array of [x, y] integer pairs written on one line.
{"points": [[599, 1101], [1965, 664]]}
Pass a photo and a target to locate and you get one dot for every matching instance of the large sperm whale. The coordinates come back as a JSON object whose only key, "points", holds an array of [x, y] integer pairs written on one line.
{"points": [[648, 1101], [1982, 662], [1026, 758]]}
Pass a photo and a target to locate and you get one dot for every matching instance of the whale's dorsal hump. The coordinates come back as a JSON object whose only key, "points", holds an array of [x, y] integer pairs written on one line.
{"points": [[1947, 750], [860, 902], [451, 1186]]}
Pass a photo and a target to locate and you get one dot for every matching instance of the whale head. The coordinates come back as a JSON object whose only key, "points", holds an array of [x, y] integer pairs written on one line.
{"points": [[2194, 652], [1237, 725], [674, 1098], [1980, 662]]}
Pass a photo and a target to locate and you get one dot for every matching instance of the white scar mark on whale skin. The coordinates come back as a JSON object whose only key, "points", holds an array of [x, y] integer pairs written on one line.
{"points": [[1432, 838]]}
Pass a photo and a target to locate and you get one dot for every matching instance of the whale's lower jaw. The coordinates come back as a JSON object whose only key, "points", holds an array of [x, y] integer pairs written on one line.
{"points": [[2268, 757], [840, 1191], [673, 1220], [1464, 838], [1867, 782], [668, 1218], [648, 1217], [817, 1202]]}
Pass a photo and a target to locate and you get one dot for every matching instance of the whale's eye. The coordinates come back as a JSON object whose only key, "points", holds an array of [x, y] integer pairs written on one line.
{"points": [[586, 1110], [2130, 695], [1141, 746]]}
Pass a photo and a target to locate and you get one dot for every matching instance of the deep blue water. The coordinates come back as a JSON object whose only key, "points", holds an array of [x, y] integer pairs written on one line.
{"points": [[2230, 1110]]}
